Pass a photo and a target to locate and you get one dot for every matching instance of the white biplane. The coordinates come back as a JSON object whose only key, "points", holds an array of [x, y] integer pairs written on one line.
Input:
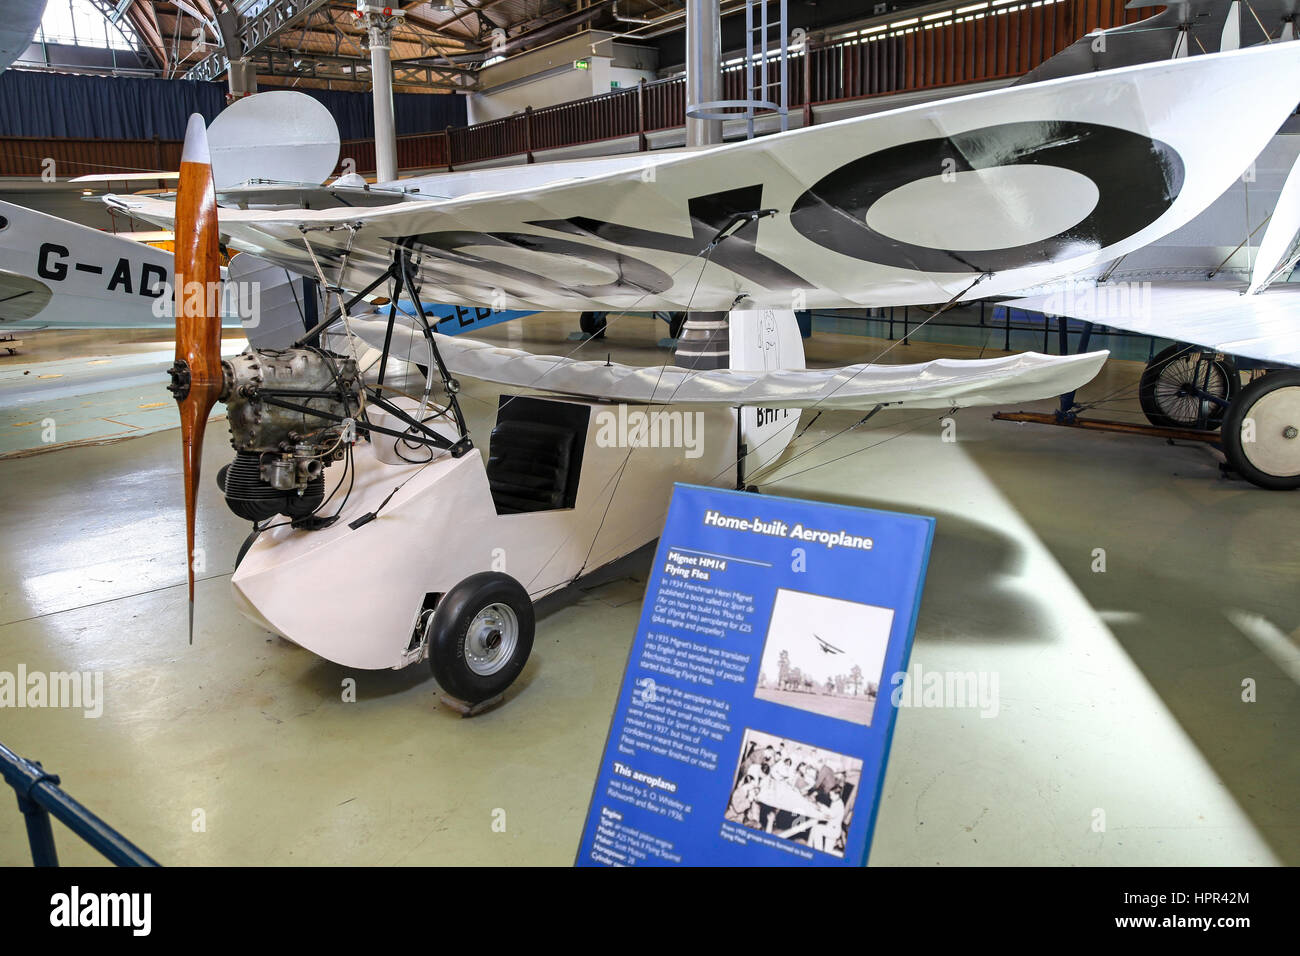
{"points": [[973, 196]]}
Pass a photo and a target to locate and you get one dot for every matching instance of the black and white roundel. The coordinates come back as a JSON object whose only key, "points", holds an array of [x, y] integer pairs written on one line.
{"points": [[908, 205]]}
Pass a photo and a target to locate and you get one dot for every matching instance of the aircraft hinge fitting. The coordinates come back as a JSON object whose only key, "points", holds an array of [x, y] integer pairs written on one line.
{"points": [[737, 222]]}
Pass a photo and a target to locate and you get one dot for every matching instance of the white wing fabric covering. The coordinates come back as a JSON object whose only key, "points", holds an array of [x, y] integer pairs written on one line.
{"points": [[570, 238], [1218, 315], [943, 383]]}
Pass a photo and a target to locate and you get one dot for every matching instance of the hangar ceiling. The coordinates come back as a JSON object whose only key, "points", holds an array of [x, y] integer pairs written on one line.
{"points": [[440, 45]]}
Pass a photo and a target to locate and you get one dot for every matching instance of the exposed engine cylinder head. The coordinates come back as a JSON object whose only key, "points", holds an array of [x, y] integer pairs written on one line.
{"points": [[281, 453], [258, 426]]}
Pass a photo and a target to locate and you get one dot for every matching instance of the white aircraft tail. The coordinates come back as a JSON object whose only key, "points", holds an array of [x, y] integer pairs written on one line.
{"points": [[1279, 237], [279, 135], [765, 340]]}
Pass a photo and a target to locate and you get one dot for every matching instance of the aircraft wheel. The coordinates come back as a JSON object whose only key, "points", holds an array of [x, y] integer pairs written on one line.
{"points": [[593, 324], [1261, 432], [1166, 389], [243, 548], [480, 636]]}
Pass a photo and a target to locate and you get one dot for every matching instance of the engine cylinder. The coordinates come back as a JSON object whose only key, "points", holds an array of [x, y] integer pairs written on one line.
{"points": [[253, 498], [281, 453], [322, 379]]}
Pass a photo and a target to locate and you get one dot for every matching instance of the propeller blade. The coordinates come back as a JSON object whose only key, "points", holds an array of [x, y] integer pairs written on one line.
{"points": [[196, 374]]}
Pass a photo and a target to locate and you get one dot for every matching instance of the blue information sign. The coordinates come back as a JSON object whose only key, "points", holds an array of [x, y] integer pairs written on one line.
{"points": [[754, 720]]}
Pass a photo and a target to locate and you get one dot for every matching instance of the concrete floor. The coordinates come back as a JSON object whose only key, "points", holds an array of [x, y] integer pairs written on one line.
{"points": [[1120, 691], [92, 385]]}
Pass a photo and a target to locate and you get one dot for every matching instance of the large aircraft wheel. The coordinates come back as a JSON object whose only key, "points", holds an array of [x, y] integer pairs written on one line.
{"points": [[480, 636], [1173, 383], [1261, 433], [593, 324]]}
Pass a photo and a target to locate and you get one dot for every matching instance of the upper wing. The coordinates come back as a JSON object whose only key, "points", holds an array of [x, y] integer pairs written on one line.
{"points": [[1219, 315], [942, 383], [21, 19], [1258, 320], [1020, 185]]}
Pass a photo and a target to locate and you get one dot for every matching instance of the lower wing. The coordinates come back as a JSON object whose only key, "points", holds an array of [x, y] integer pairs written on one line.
{"points": [[1218, 315], [942, 383]]}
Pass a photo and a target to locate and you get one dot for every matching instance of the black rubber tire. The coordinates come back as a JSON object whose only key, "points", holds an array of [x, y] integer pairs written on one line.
{"points": [[243, 548], [1172, 367], [1239, 411], [450, 627], [592, 324]]}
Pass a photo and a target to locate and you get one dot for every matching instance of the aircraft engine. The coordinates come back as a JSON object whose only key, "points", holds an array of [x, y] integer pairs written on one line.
{"points": [[291, 413]]}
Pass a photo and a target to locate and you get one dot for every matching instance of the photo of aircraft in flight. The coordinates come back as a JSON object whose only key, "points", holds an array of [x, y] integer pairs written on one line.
{"points": [[827, 647]]}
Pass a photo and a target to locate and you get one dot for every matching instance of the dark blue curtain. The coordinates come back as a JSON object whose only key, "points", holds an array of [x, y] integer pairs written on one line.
{"points": [[58, 105]]}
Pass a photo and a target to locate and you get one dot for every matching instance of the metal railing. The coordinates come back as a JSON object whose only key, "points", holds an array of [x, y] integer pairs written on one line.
{"points": [[999, 41], [64, 158], [39, 797]]}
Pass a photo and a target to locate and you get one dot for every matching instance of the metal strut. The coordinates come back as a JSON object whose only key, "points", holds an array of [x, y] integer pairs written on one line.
{"points": [[402, 262], [399, 272], [734, 225], [334, 288]]}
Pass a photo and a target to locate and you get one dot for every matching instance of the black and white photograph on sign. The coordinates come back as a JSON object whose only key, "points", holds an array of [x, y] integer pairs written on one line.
{"points": [[824, 655], [795, 791]]}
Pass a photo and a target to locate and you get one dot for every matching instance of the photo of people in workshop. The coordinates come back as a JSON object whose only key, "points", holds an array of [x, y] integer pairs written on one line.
{"points": [[794, 791]]}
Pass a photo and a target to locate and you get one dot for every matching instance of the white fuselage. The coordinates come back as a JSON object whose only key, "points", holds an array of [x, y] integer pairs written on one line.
{"points": [[354, 596]]}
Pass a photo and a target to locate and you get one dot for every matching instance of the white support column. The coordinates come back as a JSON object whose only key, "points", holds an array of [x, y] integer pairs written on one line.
{"points": [[379, 23], [241, 79]]}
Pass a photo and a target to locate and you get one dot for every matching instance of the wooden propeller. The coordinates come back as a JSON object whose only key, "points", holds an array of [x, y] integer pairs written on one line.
{"points": [[196, 374]]}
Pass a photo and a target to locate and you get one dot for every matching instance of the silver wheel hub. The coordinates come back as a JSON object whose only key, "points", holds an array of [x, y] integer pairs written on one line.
{"points": [[1276, 423], [491, 640]]}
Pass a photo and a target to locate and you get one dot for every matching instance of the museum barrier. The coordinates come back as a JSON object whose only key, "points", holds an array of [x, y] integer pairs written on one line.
{"points": [[978, 42], [39, 797]]}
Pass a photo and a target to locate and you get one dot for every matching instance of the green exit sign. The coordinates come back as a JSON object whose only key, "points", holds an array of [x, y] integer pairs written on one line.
{"points": [[582, 64]]}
